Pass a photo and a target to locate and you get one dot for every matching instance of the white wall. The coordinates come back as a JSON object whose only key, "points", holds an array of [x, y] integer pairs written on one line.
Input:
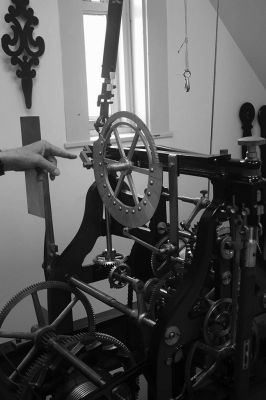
{"points": [[236, 83], [21, 235], [190, 113]]}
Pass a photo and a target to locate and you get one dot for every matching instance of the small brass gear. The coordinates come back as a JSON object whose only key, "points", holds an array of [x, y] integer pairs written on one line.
{"points": [[156, 301], [160, 262], [110, 262], [115, 274]]}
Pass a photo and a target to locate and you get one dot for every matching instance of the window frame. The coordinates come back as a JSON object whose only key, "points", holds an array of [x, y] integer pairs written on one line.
{"points": [[101, 8], [155, 46]]}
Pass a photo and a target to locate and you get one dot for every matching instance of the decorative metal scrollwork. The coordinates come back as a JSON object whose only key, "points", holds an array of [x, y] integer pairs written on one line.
{"points": [[23, 49]]}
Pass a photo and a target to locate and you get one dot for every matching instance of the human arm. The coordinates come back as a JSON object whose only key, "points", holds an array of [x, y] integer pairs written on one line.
{"points": [[41, 155]]}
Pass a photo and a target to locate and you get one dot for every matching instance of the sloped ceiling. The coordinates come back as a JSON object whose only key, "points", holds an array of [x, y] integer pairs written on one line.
{"points": [[246, 22]]}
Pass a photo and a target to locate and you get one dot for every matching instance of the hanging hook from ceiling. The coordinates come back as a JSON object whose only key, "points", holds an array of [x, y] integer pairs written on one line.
{"points": [[187, 72]]}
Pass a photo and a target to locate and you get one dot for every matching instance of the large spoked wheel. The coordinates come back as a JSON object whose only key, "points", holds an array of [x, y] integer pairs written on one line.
{"points": [[28, 309], [101, 356], [128, 170]]}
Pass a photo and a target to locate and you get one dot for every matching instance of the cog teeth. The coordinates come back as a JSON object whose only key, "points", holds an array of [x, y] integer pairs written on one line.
{"points": [[111, 264], [154, 295], [114, 281], [40, 364], [102, 260], [15, 299], [43, 362], [44, 338]]}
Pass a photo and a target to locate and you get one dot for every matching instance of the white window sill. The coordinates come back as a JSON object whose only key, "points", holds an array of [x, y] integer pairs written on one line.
{"points": [[125, 138]]}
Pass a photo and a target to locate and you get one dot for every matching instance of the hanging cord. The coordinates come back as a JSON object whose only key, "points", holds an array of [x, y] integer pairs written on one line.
{"points": [[214, 81], [187, 73], [214, 73]]}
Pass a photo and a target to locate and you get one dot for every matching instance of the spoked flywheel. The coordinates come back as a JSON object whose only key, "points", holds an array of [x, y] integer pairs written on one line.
{"points": [[121, 161], [29, 307]]}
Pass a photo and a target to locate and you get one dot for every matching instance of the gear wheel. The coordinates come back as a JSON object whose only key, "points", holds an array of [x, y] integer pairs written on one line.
{"points": [[102, 259], [37, 372], [122, 161], [191, 243], [159, 262], [157, 302], [218, 324], [148, 288], [40, 381], [115, 274], [40, 331]]}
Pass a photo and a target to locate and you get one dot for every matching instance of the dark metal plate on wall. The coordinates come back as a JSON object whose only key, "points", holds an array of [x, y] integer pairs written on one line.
{"points": [[23, 49]]}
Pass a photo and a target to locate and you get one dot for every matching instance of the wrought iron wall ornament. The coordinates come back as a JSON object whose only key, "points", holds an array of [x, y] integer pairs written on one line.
{"points": [[23, 49]]}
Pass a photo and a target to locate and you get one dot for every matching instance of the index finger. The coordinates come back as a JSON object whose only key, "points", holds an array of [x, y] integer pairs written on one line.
{"points": [[53, 150]]}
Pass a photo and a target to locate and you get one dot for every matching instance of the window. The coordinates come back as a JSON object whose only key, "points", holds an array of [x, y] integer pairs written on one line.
{"points": [[94, 25], [142, 68]]}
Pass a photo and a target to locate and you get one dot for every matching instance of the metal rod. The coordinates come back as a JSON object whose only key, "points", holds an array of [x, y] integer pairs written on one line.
{"points": [[133, 145], [119, 166], [17, 335], [23, 363], [80, 365], [173, 204], [189, 199], [108, 235], [154, 249], [186, 235], [136, 239], [119, 183], [64, 313], [110, 301], [243, 357], [126, 278]]}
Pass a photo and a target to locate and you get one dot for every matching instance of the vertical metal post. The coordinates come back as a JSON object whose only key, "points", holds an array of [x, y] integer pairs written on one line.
{"points": [[173, 203], [108, 235], [245, 315]]}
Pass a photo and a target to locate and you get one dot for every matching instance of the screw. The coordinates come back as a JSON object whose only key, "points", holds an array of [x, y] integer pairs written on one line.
{"points": [[172, 335], [226, 278], [161, 228]]}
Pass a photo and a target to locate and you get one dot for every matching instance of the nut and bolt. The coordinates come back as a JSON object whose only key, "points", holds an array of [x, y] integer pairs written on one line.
{"points": [[172, 335]]}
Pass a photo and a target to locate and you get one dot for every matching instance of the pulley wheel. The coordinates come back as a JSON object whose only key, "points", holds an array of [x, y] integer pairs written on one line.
{"points": [[128, 170]]}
